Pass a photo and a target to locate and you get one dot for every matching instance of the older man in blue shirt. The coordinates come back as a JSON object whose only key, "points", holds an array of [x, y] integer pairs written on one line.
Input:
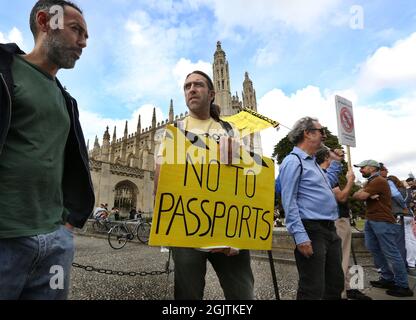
{"points": [[311, 209]]}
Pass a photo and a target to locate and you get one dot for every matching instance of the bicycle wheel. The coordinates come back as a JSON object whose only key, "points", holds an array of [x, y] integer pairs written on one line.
{"points": [[143, 232], [117, 237]]}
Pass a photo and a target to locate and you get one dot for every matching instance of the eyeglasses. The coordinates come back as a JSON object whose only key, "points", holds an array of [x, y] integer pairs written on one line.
{"points": [[321, 130]]}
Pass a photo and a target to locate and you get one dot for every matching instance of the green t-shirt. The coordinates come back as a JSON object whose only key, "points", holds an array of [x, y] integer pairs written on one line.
{"points": [[32, 160]]}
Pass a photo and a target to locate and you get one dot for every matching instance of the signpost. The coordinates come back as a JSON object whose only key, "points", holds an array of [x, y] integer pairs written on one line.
{"points": [[345, 121]]}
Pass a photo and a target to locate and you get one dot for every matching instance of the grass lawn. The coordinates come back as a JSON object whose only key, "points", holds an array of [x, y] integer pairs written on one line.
{"points": [[359, 224]]}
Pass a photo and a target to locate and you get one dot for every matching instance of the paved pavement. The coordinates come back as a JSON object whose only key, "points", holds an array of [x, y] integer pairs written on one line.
{"points": [[95, 251]]}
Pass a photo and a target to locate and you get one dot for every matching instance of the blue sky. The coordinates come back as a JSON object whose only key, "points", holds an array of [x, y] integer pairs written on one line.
{"points": [[298, 53]]}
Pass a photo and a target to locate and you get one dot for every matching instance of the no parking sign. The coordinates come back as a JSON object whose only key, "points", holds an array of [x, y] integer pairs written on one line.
{"points": [[345, 120]]}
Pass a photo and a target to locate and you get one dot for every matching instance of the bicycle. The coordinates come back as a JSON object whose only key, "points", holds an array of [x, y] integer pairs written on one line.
{"points": [[101, 225], [121, 233]]}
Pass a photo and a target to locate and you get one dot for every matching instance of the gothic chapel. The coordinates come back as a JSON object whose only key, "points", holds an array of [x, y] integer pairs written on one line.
{"points": [[122, 169]]}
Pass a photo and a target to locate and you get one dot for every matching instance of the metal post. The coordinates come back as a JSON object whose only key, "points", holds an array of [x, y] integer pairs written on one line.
{"points": [[276, 288], [354, 258]]}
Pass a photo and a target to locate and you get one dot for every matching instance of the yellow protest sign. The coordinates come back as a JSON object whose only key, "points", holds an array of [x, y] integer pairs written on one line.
{"points": [[202, 203], [248, 121]]}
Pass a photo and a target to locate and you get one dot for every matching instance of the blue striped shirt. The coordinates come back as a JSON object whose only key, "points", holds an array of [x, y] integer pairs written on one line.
{"points": [[308, 196]]}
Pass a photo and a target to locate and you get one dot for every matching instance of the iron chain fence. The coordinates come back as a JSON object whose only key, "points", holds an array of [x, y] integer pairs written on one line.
{"points": [[123, 273]]}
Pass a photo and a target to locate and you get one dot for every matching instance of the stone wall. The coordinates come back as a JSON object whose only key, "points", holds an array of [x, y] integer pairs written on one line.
{"points": [[283, 242]]}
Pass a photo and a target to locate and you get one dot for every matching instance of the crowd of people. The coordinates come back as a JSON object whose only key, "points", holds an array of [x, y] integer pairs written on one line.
{"points": [[31, 241], [102, 213], [318, 218]]}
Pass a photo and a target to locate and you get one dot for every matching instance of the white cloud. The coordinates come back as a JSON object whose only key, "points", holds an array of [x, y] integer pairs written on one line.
{"points": [[93, 124], [146, 56], [390, 67], [184, 66], [268, 55], [14, 35], [380, 134], [302, 15]]}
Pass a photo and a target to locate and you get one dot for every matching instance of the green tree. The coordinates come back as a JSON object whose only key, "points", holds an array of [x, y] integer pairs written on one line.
{"points": [[284, 147]]}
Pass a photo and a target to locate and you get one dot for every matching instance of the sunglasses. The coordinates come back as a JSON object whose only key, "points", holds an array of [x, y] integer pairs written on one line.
{"points": [[321, 130]]}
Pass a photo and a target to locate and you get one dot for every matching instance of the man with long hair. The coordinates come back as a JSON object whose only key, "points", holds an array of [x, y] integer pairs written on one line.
{"points": [[231, 265]]}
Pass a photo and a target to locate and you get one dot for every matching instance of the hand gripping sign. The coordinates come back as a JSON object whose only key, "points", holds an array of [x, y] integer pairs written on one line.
{"points": [[202, 203]]}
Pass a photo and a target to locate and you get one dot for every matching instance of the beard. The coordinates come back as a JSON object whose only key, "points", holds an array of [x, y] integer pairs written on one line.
{"points": [[366, 175], [59, 53]]}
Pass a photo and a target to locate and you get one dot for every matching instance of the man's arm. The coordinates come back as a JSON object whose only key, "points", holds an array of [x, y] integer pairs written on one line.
{"points": [[361, 195], [332, 173], [396, 195], [335, 167], [342, 195], [290, 179]]}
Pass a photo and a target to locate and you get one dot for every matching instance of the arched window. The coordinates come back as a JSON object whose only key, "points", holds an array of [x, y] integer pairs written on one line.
{"points": [[125, 196], [129, 161]]}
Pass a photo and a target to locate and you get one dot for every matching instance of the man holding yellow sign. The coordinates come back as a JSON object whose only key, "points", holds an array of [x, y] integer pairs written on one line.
{"points": [[211, 198]]}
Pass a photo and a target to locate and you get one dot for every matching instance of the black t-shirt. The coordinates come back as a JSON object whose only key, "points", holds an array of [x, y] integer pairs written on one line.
{"points": [[343, 208]]}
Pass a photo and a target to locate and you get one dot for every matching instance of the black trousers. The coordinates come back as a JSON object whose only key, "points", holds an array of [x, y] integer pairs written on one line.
{"points": [[234, 273], [321, 275]]}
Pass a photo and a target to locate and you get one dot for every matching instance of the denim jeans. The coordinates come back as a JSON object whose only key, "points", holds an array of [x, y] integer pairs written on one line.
{"points": [[381, 241], [234, 273], [401, 244], [36, 267]]}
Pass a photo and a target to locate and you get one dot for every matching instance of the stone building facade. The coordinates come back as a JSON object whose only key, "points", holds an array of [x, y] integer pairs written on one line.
{"points": [[122, 169]]}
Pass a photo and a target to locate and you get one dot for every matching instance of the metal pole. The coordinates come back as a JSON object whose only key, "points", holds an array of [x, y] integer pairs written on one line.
{"points": [[276, 288], [354, 257]]}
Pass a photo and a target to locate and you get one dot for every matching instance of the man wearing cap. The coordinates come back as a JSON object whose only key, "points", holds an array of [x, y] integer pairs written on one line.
{"points": [[381, 231]]}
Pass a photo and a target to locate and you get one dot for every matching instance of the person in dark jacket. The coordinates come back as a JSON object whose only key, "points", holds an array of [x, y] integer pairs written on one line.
{"points": [[132, 213], [399, 210], [45, 188]]}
